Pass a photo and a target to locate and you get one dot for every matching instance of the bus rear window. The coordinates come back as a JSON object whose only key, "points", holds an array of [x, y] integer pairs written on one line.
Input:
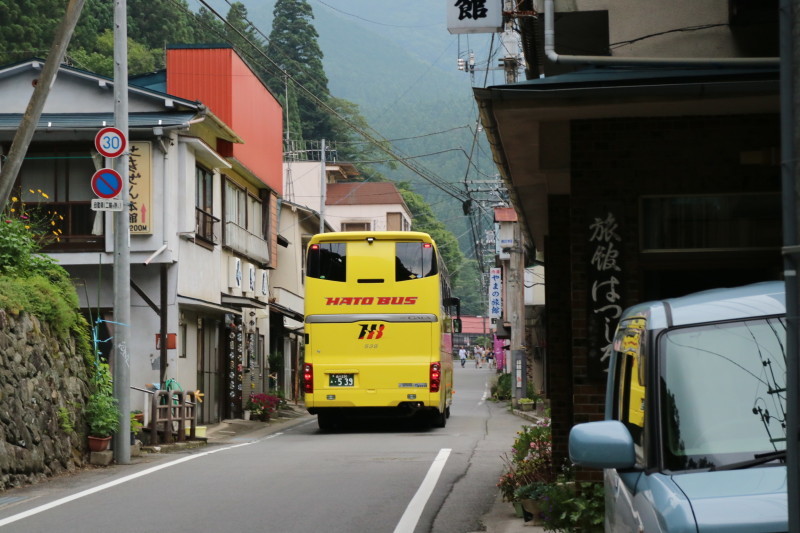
{"points": [[414, 260], [327, 261]]}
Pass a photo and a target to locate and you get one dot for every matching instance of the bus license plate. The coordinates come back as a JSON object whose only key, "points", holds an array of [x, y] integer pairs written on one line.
{"points": [[341, 380]]}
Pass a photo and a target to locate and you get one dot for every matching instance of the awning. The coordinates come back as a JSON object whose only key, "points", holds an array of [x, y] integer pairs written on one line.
{"points": [[194, 304], [241, 302], [285, 311]]}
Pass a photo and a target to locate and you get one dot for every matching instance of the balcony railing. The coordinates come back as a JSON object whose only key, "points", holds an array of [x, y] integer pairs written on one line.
{"points": [[248, 244], [69, 226], [204, 226]]}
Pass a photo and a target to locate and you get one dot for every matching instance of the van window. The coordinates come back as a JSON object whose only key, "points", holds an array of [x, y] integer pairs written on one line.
{"points": [[723, 392], [327, 260], [414, 260]]}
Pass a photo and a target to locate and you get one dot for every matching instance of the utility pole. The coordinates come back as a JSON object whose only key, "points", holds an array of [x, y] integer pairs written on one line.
{"points": [[122, 267], [790, 171], [516, 307], [27, 126], [323, 184]]}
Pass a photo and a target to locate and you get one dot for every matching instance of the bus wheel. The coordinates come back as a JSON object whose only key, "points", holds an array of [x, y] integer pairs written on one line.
{"points": [[447, 412], [326, 421], [439, 418]]}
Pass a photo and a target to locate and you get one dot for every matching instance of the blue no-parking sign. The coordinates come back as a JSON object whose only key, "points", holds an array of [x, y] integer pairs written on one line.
{"points": [[107, 183]]}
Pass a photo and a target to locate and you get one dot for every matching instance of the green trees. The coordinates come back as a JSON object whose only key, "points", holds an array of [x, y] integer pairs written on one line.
{"points": [[290, 62], [24, 32], [294, 48]]}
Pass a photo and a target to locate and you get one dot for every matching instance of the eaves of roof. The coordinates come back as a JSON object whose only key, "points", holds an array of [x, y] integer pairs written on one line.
{"points": [[71, 121], [616, 81]]}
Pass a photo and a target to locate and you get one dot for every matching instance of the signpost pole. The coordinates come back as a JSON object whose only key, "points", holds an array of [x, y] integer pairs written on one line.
{"points": [[122, 274]]}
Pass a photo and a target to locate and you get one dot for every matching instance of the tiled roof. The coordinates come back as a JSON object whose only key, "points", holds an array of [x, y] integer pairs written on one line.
{"points": [[364, 193]]}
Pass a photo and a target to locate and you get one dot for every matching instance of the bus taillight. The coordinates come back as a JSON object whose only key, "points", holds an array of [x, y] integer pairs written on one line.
{"points": [[436, 377], [308, 378]]}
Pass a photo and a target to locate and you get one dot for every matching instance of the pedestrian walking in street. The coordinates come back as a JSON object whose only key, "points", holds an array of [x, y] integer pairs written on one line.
{"points": [[462, 355]]}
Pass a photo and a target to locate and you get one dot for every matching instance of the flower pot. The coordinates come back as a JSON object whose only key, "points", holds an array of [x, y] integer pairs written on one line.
{"points": [[517, 509], [246, 414], [99, 444], [534, 509], [527, 406]]}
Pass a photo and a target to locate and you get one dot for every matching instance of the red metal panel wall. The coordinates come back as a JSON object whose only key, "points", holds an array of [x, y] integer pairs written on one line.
{"points": [[218, 78], [202, 74], [258, 119]]}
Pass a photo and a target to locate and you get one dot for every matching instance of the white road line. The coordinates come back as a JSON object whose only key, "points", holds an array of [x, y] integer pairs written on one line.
{"points": [[486, 393], [410, 518], [110, 484]]}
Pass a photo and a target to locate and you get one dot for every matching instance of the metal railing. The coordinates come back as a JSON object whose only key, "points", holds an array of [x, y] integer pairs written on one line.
{"points": [[204, 225]]}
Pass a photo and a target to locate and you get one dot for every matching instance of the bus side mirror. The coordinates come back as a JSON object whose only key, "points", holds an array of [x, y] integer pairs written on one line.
{"points": [[456, 325]]}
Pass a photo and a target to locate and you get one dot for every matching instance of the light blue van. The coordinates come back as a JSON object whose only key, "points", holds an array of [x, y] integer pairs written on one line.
{"points": [[693, 438]]}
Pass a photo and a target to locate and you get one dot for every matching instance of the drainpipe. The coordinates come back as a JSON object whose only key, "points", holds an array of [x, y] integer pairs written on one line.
{"points": [[550, 40]]}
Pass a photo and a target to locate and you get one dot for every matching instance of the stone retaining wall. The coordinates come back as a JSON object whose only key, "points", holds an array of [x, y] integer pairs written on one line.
{"points": [[43, 386]]}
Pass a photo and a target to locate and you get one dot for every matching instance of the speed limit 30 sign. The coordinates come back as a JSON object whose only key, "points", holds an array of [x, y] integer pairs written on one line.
{"points": [[110, 142]]}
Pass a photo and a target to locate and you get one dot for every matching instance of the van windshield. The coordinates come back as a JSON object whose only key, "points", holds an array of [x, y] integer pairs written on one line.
{"points": [[723, 392]]}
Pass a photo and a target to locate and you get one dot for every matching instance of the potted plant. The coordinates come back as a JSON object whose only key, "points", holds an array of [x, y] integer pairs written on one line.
{"points": [[532, 497], [262, 405], [102, 417], [137, 419], [526, 404], [101, 410]]}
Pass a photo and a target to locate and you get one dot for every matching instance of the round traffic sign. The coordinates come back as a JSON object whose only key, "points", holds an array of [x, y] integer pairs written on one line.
{"points": [[110, 142], [106, 183]]}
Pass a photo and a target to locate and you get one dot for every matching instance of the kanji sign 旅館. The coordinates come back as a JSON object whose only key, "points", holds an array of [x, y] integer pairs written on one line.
{"points": [[605, 294]]}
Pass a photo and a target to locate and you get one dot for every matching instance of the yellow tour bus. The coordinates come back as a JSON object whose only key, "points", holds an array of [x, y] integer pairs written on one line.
{"points": [[378, 327]]}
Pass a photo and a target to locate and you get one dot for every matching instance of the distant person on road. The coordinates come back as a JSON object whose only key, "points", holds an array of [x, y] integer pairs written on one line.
{"points": [[478, 356], [462, 355], [490, 358]]}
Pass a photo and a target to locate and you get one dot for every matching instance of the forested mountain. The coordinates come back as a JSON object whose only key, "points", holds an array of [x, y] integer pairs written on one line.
{"points": [[388, 68]]}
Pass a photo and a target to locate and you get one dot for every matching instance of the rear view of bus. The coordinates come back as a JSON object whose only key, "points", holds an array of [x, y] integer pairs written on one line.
{"points": [[378, 339]]}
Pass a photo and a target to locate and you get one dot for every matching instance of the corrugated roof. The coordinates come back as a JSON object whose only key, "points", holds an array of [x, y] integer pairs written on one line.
{"points": [[97, 120], [363, 193]]}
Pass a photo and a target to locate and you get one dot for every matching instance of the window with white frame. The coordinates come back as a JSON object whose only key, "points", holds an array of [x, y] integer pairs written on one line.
{"points": [[356, 226]]}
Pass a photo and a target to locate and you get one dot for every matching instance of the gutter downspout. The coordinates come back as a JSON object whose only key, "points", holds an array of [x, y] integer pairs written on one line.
{"points": [[550, 52]]}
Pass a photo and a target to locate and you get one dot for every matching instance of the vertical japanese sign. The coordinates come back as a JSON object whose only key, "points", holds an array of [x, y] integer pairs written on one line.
{"points": [[495, 292], [605, 295], [234, 348], [474, 16], [140, 178]]}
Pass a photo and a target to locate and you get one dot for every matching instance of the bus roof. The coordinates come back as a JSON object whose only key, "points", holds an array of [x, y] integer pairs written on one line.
{"points": [[339, 236]]}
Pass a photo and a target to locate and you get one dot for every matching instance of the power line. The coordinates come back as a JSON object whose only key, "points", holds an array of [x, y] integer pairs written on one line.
{"points": [[444, 186]]}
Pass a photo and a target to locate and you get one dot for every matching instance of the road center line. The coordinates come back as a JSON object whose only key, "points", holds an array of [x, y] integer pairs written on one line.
{"points": [[411, 516], [110, 484]]}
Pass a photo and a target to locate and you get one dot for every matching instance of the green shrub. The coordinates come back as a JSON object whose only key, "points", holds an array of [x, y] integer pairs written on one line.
{"points": [[102, 415], [574, 508], [502, 389]]}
